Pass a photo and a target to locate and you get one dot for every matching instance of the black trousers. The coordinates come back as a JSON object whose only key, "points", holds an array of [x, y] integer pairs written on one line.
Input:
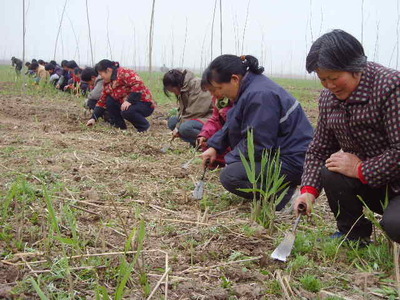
{"points": [[343, 196], [91, 103], [234, 177], [136, 114]]}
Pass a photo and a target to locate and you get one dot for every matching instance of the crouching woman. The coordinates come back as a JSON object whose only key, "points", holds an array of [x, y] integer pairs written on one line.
{"points": [[125, 97], [276, 118], [355, 153]]}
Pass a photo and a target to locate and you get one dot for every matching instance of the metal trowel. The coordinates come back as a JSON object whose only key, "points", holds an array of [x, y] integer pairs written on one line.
{"points": [[199, 188], [285, 247]]}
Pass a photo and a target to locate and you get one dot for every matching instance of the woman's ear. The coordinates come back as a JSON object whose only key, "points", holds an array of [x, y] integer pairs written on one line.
{"points": [[235, 78]]}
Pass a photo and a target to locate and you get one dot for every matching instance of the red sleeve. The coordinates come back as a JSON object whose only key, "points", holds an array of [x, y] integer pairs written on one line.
{"points": [[361, 175], [310, 189]]}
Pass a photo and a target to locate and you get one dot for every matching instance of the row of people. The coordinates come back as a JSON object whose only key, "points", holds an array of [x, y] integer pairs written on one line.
{"points": [[354, 151]]}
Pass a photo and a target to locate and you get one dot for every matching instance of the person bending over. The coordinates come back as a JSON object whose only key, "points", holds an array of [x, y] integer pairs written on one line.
{"points": [[195, 105], [276, 118], [125, 96]]}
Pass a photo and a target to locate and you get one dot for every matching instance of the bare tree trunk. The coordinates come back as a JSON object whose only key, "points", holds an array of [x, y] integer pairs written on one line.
{"points": [[76, 39], [362, 21], [59, 29], [23, 32], [90, 36], [134, 48], [311, 18], [151, 36], [220, 22], [236, 32], [376, 48], [108, 35], [202, 57], [212, 29], [322, 21], [172, 49], [245, 26], [184, 46]]}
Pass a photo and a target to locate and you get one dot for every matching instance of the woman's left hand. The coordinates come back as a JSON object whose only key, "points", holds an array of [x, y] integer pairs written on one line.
{"points": [[344, 163], [125, 105]]}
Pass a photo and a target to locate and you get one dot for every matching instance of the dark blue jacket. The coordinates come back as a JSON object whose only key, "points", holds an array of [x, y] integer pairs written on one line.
{"points": [[277, 119]]}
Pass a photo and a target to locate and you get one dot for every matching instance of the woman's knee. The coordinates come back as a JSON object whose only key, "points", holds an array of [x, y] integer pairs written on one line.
{"points": [[172, 121], [230, 176], [391, 221], [331, 179], [189, 129]]}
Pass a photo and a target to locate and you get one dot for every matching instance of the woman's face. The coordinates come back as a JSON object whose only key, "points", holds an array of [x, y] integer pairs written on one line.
{"points": [[340, 83], [174, 90], [214, 92], [229, 89], [106, 75]]}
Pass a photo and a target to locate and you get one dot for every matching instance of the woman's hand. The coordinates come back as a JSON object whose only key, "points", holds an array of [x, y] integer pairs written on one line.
{"points": [[175, 133], [91, 122], [125, 105], [201, 141], [209, 156], [343, 163], [303, 204]]}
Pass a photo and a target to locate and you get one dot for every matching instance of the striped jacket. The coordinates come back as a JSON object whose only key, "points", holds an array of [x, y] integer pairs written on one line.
{"points": [[366, 124]]}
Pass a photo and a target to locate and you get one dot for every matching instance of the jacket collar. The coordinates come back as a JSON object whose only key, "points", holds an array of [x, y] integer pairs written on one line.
{"points": [[188, 76], [246, 80]]}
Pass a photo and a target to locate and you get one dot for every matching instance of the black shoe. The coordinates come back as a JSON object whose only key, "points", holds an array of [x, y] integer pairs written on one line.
{"points": [[362, 242]]}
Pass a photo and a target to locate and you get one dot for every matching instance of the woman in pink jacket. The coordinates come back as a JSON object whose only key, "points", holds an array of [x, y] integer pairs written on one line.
{"points": [[221, 106]]}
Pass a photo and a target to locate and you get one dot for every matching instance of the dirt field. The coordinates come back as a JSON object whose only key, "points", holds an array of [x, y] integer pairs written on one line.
{"points": [[104, 182]]}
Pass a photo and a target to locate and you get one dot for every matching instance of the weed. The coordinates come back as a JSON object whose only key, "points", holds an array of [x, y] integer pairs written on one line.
{"points": [[311, 283], [268, 186]]}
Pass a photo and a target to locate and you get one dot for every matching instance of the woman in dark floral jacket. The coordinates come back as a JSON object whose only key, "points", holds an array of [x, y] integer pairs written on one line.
{"points": [[355, 152]]}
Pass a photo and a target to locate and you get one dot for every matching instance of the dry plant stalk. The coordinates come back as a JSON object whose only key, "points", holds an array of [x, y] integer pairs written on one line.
{"points": [[396, 254], [90, 36], [212, 29], [108, 34], [59, 29], [151, 32]]}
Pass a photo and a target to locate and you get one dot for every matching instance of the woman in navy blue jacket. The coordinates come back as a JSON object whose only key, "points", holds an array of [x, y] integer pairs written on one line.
{"points": [[276, 118]]}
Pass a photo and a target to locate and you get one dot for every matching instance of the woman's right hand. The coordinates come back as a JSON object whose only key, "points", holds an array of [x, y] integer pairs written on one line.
{"points": [[91, 122], [201, 141], [303, 204], [208, 156]]}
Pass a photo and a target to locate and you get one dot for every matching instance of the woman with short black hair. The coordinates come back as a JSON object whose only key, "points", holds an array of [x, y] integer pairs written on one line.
{"points": [[95, 83], [125, 96], [355, 152], [276, 118], [55, 73]]}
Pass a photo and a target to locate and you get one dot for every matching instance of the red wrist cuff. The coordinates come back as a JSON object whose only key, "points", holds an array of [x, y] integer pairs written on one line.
{"points": [[361, 175], [310, 189]]}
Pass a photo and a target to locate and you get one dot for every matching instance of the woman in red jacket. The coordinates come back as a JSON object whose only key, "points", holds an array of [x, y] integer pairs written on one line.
{"points": [[221, 106], [124, 96]]}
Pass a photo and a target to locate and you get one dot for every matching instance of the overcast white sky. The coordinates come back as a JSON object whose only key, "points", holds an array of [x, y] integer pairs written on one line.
{"points": [[279, 32]]}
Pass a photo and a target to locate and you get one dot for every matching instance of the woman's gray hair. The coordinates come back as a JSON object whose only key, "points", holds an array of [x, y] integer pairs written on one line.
{"points": [[336, 50]]}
